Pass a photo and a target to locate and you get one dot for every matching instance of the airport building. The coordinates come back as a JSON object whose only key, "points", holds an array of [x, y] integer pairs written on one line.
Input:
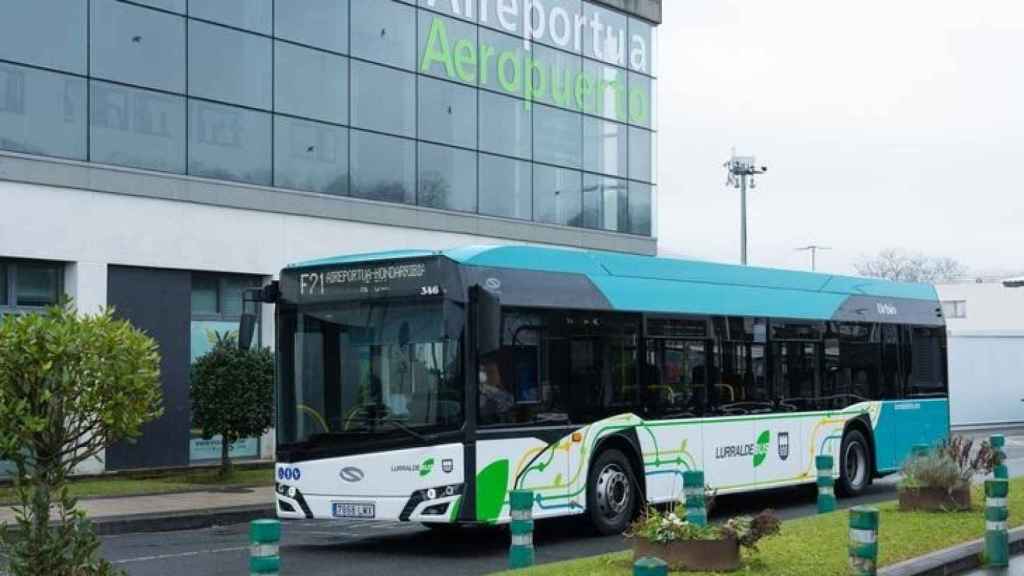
{"points": [[159, 156]]}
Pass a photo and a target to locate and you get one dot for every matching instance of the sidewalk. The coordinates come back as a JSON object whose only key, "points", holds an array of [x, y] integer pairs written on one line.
{"points": [[175, 511], [1016, 569]]}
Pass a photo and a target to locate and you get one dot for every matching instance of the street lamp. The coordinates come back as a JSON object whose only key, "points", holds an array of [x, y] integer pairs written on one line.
{"points": [[813, 249], [740, 168]]}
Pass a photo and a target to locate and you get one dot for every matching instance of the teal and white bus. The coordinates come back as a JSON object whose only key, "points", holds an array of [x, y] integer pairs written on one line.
{"points": [[423, 386]]}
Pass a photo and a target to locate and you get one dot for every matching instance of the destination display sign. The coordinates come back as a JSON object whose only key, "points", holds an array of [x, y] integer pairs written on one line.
{"points": [[366, 280]]}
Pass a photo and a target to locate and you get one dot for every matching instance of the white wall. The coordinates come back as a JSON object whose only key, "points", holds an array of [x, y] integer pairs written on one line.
{"points": [[986, 354]]}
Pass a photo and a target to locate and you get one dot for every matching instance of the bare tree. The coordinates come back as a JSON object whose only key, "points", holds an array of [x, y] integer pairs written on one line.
{"points": [[902, 266]]}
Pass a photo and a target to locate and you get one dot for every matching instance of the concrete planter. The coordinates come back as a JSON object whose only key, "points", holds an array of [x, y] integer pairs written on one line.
{"points": [[693, 555], [935, 499]]}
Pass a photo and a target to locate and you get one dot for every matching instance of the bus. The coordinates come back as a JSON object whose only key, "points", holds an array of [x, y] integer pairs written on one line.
{"points": [[424, 386]]}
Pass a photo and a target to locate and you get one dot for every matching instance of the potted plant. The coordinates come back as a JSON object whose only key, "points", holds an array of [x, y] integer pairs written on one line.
{"points": [[940, 480], [690, 547]]}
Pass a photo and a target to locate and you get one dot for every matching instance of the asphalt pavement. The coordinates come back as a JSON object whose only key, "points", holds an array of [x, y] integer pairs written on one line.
{"points": [[359, 547]]}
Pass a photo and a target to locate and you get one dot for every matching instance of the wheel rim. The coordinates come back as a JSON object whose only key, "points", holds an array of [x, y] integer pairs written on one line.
{"points": [[855, 461], [614, 491]]}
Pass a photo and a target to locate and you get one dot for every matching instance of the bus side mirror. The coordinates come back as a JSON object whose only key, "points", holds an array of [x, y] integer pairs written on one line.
{"points": [[246, 328], [488, 321]]}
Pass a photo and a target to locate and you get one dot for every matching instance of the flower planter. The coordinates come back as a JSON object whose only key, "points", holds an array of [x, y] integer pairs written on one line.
{"points": [[935, 499], [693, 555]]}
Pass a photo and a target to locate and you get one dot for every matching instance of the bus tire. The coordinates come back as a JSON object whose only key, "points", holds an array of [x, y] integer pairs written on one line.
{"points": [[854, 464], [611, 495]]}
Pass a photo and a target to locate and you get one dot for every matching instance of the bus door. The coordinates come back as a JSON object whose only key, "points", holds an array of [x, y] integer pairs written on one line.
{"points": [[796, 382]]}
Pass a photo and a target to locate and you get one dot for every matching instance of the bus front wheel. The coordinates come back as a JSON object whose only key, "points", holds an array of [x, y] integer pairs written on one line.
{"points": [[611, 495], [854, 464]]}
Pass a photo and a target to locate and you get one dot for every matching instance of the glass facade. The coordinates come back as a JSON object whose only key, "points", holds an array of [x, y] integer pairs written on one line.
{"points": [[464, 105]]}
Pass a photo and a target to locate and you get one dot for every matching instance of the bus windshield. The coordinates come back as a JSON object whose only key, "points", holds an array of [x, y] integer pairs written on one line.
{"points": [[370, 369]]}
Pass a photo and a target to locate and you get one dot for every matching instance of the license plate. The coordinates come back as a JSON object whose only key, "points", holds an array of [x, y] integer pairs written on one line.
{"points": [[354, 510]]}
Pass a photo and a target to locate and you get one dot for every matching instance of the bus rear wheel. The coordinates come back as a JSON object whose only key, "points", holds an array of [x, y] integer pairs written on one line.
{"points": [[854, 464], [611, 495]]}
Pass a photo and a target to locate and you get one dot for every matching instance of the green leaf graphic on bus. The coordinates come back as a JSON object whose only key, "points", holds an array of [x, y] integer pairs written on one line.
{"points": [[761, 452], [426, 467]]}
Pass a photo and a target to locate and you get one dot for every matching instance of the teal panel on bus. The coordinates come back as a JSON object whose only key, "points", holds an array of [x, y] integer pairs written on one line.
{"points": [[882, 288], [903, 423], [529, 258], [645, 295], [368, 257]]}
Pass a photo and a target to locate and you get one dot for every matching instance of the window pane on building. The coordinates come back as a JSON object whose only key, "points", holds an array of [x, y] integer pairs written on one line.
{"points": [[558, 29], [385, 32], [501, 62], [231, 294], [507, 189], [137, 128], [319, 23], [3, 284], [506, 125], [605, 146], [461, 47], [205, 294], [42, 112], [310, 156], [38, 284], [551, 76], [383, 99], [310, 83], [228, 65], [49, 33], [447, 178], [252, 15], [604, 203], [172, 5], [604, 91], [383, 167], [641, 100], [447, 112], [557, 136], [610, 46], [640, 208], [228, 143], [641, 154], [137, 45], [557, 195]]}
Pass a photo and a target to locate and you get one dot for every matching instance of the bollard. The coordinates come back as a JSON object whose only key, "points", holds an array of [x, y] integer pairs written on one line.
{"points": [[826, 484], [264, 536], [919, 450], [520, 553], [693, 493], [863, 541], [650, 567], [998, 443], [997, 544]]}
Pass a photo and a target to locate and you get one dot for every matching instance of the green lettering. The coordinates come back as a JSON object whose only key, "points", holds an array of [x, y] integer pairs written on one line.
{"points": [[515, 85], [486, 52], [536, 81], [465, 61], [561, 92], [638, 108], [437, 48], [584, 92], [619, 94]]}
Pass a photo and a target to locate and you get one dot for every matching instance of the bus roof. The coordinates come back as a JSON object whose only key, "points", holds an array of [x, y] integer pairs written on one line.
{"points": [[653, 284]]}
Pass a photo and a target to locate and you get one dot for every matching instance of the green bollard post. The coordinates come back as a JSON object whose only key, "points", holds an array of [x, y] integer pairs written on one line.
{"points": [[863, 541], [693, 493], [650, 567], [520, 553], [826, 484], [997, 543], [998, 443], [919, 450], [264, 539]]}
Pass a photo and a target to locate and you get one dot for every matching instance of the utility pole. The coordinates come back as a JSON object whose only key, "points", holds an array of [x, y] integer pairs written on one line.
{"points": [[813, 249], [740, 169]]}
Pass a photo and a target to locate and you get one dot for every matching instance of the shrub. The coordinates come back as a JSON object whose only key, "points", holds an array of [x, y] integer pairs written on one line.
{"points": [[70, 386], [669, 526], [232, 394], [949, 466]]}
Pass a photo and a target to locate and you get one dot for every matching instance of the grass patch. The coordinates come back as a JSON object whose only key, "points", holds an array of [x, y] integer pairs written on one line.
{"points": [[816, 546], [157, 482]]}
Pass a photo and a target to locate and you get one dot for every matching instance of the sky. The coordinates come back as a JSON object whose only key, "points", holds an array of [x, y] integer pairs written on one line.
{"points": [[884, 124]]}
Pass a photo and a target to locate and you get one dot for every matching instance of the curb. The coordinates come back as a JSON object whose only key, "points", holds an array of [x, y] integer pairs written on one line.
{"points": [[185, 520], [950, 561]]}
